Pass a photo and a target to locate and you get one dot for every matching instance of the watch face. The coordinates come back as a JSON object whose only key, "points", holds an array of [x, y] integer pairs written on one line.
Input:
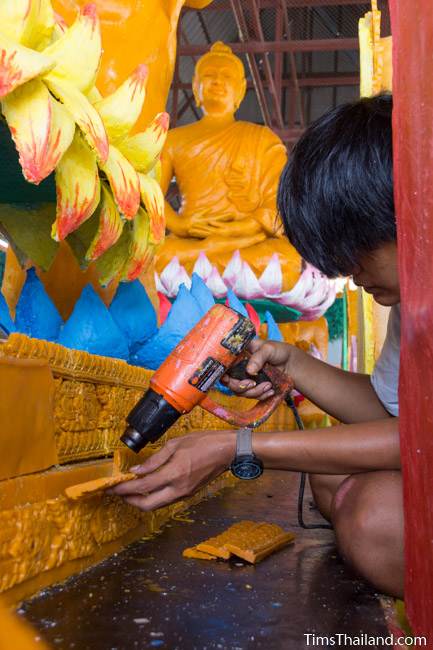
{"points": [[247, 467]]}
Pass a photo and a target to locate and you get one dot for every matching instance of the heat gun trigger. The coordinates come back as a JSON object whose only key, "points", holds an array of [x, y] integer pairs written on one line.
{"points": [[239, 372]]}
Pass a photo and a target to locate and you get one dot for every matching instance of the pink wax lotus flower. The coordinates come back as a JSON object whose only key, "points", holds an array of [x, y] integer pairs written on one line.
{"points": [[158, 284], [312, 295], [247, 286], [203, 267], [297, 294], [316, 312], [216, 284], [172, 277], [232, 270], [271, 279]]}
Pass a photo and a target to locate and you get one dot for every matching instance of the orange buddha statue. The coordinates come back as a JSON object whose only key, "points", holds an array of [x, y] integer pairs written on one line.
{"points": [[227, 172]]}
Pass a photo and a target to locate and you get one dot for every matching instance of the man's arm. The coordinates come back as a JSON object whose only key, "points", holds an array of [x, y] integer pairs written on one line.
{"points": [[347, 396], [184, 464], [344, 449]]}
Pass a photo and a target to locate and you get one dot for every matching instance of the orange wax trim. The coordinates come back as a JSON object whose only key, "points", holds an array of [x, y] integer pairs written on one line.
{"points": [[90, 488]]}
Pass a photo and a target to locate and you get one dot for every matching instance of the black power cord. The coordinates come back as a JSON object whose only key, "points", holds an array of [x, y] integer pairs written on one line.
{"points": [[291, 404]]}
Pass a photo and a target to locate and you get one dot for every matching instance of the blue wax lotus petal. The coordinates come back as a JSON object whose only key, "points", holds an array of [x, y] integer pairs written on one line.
{"points": [[202, 294], [274, 332], [236, 304], [36, 314], [91, 328], [6, 322], [184, 314], [182, 317], [134, 313], [155, 351]]}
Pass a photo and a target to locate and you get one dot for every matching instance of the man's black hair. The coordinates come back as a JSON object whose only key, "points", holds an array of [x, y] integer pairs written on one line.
{"points": [[335, 195]]}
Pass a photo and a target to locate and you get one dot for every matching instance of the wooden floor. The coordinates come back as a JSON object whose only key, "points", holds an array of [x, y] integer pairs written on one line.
{"points": [[148, 596]]}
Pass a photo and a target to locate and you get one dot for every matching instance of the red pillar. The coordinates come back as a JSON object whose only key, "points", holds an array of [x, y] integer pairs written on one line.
{"points": [[412, 29]]}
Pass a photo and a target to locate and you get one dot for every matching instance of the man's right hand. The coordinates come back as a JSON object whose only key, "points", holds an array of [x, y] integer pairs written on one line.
{"points": [[272, 352]]}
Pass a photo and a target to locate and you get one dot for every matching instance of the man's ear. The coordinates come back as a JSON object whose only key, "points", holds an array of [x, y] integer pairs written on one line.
{"points": [[197, 4]]}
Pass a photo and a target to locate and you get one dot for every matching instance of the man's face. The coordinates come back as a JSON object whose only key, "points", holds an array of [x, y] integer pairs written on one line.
{"points": [[377, 273], [219, 87]]}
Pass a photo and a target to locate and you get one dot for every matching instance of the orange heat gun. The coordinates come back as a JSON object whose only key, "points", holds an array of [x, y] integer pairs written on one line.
{"points": [[215, 346]]}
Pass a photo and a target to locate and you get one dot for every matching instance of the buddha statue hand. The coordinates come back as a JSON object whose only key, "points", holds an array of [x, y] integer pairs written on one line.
{"points": [[197, 225], [200, 226]]}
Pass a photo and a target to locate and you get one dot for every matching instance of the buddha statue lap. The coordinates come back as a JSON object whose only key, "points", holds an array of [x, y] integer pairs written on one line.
{"points": [[227, 173]]}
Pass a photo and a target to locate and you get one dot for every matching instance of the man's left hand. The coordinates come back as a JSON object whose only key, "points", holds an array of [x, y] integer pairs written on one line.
{"points": [[179, 469]]}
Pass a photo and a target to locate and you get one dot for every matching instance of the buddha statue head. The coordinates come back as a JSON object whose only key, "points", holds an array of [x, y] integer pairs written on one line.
{"points": [[219, 82]]}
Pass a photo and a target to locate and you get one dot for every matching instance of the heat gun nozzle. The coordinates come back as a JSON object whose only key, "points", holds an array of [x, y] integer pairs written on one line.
{"points": [[149, 420]]}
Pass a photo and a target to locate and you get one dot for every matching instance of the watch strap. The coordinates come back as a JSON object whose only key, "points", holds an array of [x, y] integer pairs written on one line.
{"points": [[244, 442]]}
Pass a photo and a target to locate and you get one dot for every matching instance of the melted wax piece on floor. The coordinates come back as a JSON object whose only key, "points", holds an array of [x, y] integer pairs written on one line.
{"points": [[91, 328], [6, 322], [134, 313], [249, 540], [36, 314], [194, 553], [183, 316]]}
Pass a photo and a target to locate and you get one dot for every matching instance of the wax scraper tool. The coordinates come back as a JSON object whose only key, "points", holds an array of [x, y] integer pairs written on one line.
{"points": [[216, 344]]}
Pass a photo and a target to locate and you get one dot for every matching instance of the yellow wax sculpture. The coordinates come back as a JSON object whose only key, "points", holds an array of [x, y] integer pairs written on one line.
{"points": [[227, 172], [134, 32], [375, 54]]}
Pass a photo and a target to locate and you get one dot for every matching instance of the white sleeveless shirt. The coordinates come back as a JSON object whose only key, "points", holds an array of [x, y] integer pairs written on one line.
{"points": [[386, 371]]}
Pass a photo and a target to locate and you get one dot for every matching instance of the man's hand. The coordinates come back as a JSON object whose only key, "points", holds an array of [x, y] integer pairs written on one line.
{"points": [[179, 469], [272, 352]]}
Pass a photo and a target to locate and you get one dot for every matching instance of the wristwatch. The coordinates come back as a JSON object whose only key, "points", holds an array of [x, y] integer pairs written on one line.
{"points": [[245, 464]]}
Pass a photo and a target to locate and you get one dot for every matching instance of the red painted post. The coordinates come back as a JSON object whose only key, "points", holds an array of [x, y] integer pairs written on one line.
{"points": [[412, 29]]}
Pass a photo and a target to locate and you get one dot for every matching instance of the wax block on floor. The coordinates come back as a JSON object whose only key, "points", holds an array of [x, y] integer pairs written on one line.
{"points": [[195, 554], [249, 540]]}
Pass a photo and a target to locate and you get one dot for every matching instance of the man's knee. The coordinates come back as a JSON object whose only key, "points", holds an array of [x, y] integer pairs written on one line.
{"points": [[367, 514], [353, 515], [324, 487]]}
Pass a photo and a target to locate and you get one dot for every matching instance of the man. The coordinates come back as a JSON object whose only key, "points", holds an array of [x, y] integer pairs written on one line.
{"points": [[336, 201]]}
